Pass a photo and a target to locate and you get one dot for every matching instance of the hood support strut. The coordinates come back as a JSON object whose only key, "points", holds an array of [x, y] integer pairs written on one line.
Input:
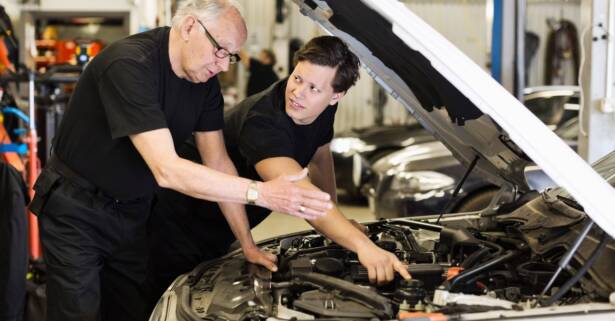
{"points": [[563, 262], [453, 198]]}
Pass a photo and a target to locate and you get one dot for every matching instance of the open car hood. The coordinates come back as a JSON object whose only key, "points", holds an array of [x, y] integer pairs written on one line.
{"points": [[457, 101]]}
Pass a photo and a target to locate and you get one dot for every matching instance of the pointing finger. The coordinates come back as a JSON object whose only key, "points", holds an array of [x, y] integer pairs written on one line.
{"points": [[402, 269]]}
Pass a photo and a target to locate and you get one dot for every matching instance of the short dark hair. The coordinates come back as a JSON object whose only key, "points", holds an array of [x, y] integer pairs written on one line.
{"points": [[269, 53], [331, 51]]}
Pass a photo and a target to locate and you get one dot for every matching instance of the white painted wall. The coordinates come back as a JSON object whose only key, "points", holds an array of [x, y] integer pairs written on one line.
{"points": [[12, 8], [260, 19], [131, 6], [88, 5], [143, 13]]}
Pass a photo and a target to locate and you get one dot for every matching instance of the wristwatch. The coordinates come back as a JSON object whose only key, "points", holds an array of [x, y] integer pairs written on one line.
{"points": [[252, 193]]}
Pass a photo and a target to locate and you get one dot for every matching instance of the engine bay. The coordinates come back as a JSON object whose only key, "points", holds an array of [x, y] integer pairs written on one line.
{"points": [[463, 266]]}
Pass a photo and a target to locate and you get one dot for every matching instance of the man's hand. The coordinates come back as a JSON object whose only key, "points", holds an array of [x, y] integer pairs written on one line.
{"points": [[282, 195], [381, 265], [257, 256]]}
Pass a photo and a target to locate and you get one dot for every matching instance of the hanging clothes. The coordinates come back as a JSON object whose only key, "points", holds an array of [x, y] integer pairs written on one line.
{"points": [[562, 56]]}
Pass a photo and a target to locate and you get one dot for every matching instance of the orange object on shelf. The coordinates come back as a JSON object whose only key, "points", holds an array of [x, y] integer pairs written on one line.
{"points": [[65, 51], [5, 63]]}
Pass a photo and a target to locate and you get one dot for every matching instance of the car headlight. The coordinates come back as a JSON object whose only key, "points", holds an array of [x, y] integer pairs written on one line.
{"points": [[350, 145], [420, 181]]}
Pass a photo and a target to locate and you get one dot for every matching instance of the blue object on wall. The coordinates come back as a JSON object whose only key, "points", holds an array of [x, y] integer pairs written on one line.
{"points": [[496, 41], [17, 112], [20, 149]]}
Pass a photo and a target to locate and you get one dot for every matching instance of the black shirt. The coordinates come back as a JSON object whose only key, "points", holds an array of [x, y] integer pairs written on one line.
{"points": [[256, 129], [130, 88], [259, 128], [261, 77]]}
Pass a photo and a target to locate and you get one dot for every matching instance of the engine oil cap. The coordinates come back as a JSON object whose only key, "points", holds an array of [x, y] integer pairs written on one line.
{"points": [[329, 266]]}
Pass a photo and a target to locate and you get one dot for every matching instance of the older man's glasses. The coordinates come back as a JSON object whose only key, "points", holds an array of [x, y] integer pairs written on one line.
{"points": [[220, 52]]}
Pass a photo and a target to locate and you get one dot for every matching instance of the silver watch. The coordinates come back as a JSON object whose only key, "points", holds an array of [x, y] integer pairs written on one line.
{"points": [[252, 193]]}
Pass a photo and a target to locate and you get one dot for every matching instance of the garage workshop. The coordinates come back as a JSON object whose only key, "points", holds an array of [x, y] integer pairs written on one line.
{"points": [[292, 160]]}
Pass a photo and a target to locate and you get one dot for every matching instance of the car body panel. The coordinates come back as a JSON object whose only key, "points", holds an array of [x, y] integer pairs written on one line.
{"points": [[373, 143], [387, 202]]}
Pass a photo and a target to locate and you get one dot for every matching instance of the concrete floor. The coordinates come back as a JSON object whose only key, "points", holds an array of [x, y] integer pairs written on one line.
{"points": [[279, 224]]}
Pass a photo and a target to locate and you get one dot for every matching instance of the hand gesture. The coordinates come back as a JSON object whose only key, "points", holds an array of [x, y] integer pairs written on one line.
{"points": [[283, 195]]}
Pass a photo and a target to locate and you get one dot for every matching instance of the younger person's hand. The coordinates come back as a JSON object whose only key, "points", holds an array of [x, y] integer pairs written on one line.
{"points": [[381, 265]]}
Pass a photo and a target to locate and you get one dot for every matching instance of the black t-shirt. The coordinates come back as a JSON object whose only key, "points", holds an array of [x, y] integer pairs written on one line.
{"points": [[256, 129], [130, 88], [261, 77]]}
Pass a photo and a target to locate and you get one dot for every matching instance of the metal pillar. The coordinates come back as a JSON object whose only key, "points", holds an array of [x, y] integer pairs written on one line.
{"points": [[597, 136], [508, 38]]}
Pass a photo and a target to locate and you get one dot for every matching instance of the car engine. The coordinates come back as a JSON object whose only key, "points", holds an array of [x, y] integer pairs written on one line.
{"points": [[498, 264]]}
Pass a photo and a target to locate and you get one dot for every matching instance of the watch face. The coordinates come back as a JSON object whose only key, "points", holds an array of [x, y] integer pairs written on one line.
{"points": [[252, 193]]}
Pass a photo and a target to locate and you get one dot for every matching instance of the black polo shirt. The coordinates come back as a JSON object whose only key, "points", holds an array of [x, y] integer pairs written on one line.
{"points": [[130, 88], [261, 77]]}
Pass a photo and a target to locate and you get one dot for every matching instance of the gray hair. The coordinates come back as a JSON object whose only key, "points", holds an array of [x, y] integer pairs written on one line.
{"points": [[205, 10]]}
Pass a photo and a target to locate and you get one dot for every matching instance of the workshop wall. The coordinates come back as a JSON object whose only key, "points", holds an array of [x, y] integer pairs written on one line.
{"points": [[463, 22]]}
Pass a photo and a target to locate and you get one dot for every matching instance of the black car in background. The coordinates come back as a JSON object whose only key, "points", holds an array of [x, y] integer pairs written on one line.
{"points": [[356, 150], [353, 152], [421, 180]]}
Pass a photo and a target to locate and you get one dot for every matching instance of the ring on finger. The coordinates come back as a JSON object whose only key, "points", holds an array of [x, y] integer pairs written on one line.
{"points": [[301, 208]]}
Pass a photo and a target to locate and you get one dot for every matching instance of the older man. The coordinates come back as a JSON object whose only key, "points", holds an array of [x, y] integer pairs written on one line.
{"points": [[134, 102]]}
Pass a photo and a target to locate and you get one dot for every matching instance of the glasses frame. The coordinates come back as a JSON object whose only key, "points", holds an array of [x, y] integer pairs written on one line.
{"points": [[220, 52]]}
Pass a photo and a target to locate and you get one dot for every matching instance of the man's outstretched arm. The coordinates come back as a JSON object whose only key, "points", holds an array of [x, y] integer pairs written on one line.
{"points": [[173, 172], [379, 263]]}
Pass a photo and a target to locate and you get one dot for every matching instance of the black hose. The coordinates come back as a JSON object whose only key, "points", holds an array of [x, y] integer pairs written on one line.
{"points": [[474, 257], [566, 287], [410, 243], [498, 248], [469, 273]]}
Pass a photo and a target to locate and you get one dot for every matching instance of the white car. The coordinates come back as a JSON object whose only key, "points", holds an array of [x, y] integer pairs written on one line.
{"points": [[526, 257]]}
